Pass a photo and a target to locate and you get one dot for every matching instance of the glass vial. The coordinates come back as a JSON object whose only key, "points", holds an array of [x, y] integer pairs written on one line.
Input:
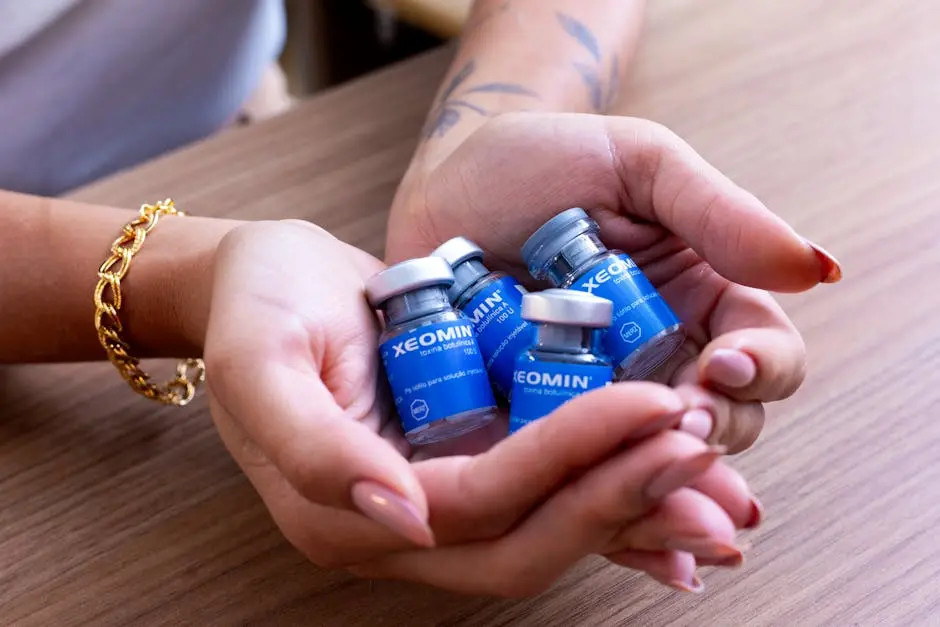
{"points": [[492, 301], [431, 358], [645, 332], [566, 358]]}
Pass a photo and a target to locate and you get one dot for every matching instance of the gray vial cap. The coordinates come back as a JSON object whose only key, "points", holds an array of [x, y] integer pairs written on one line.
{"points": [[546, 243], [466, 260], [568, 307], [457, 250], [408, 276]]}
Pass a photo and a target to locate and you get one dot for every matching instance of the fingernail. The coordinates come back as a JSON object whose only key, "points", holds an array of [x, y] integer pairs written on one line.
{"points": [[735, 561], [680, 473], [830, 269], [757, 514], [392, 511], [697, 422], [662, 423], [704, 548], [695, 586], [730, 367]]}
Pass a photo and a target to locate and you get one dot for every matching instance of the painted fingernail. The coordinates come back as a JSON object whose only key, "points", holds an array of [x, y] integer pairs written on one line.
{"points": [[757, 514], [730, 367], [704, 548], [392, 511], [695, 586], [735, 561], [697, 422], [662, 423], [830, 269], [680, 473]]}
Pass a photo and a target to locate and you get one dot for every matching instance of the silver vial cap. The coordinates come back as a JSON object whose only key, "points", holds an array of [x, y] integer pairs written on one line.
{"points": [[546, 243], [408, 276], [457, 250], [568, 307]]}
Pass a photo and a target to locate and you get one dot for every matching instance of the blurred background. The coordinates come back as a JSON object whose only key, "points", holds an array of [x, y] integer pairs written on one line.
{"points": [[330, 42]]}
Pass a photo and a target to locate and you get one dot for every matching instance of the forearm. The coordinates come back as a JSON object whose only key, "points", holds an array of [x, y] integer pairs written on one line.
{"points": [[549, 55], [51, 251]]}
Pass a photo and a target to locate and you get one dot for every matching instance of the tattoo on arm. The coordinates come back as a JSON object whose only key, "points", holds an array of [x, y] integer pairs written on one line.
{"points": [[455, 100], [601, 94]]}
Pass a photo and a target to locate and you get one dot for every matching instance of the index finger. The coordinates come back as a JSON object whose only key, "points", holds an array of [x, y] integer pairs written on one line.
{"points": [[483, 496]]}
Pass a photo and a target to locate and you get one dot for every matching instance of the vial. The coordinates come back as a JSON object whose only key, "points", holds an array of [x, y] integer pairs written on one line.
{"points": [[430, 354], [492, 301], [645, 332], [566, 358]]}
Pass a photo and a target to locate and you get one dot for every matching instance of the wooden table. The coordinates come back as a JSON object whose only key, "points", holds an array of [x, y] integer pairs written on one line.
{"points": [[114, 513]]}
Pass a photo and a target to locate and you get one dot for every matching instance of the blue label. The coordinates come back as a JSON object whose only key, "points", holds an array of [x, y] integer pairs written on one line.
{"points": [[496, 314], [541, 387], [640, 313], [436, 371]]}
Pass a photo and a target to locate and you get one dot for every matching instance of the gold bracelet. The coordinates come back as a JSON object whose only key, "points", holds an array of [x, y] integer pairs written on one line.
{"points": [[189, 372]]}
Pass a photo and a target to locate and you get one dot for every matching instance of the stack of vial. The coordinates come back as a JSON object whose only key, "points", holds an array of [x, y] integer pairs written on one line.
{"points": [[458, 336]]}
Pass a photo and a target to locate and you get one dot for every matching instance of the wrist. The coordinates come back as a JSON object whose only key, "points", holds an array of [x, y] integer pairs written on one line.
{"points": [[168, 289]]}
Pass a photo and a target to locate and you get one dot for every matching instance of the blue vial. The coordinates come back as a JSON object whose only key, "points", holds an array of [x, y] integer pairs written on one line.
{"points": [[492, 301], [431, 358], [566, 358], [645, 332]]}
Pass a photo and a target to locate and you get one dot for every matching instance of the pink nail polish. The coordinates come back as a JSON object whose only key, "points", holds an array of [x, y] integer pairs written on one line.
{"points": [[662, 423], [681, 473], [704, 548], [696, 586], [392, 511], [731, 368], [697, 422], [829, 267]]}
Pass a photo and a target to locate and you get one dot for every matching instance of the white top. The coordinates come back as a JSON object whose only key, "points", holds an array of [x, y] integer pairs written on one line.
{"points": [[88, 87]]}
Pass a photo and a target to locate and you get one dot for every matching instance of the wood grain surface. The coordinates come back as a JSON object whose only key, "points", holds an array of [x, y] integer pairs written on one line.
{"points": [[114, 512]]}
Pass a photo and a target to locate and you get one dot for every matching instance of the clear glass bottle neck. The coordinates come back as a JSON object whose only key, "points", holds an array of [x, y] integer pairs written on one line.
{"points": [[469, 277], [412, 305], [574, 258], [561, 338]]}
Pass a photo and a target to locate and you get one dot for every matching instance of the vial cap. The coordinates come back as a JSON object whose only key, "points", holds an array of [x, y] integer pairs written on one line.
{"points": [[408, 276], [546, 243], [568, 307], [458, 250]]}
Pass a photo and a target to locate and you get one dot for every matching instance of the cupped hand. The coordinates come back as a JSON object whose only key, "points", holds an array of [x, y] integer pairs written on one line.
{"points": [[295, 392], [711, 248]]}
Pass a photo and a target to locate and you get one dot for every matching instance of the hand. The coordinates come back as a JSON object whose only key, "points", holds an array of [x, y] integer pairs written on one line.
{"points": [[709, 247], [293, 378]]}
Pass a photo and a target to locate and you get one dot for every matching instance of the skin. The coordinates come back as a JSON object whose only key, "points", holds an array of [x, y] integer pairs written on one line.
{"points": [[293, 382]]}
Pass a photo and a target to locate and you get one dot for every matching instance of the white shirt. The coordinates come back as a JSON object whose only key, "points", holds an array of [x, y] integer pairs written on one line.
{"points": [[88, 87]]}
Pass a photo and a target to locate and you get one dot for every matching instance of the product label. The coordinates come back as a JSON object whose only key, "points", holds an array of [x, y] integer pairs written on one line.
{"points": [[640, 313], [502, 334], [541, 387], [436, 371]]}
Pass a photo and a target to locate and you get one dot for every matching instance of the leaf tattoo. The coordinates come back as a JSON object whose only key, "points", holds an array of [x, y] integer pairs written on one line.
{"points": [[593, 84], [502, 88], [447, 113], [590, 73], [613, 83], [581, 33]]}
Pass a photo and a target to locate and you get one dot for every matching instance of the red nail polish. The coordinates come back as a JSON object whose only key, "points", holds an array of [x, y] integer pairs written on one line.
{"points": [[830, 268], [757, 514]]}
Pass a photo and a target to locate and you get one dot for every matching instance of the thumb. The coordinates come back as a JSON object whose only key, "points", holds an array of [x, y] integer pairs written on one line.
{"points": [[326, 456], [670, 184]]}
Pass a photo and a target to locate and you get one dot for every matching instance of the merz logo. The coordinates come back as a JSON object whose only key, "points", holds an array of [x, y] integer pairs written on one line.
{"points": [[431, 338], [556, 380], [615, 267], [486, 306]]}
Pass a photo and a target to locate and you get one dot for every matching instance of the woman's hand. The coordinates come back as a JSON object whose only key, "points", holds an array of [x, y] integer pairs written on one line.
{"points": [[295, 391], [709, 247]]}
